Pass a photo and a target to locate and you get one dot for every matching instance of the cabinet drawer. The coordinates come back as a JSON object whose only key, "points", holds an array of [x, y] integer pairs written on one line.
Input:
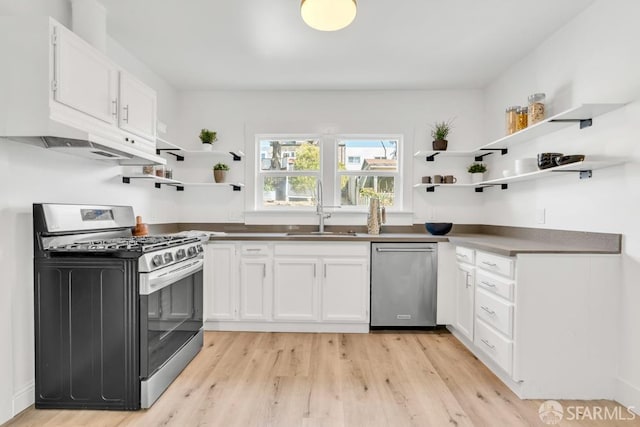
{"points": [[465, 255], [495, 263], [495, 284], [320, 249], [495, 312], [254, 249], [497, 347]]}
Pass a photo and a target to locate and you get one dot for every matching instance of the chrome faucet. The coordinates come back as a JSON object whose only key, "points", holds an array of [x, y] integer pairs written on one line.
{"points": [[320, 207]]}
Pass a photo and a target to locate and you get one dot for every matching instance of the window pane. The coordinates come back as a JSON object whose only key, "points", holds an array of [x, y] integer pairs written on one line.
{"points": [[357, 190], [284, 155], [380, 155], [289, 191]]}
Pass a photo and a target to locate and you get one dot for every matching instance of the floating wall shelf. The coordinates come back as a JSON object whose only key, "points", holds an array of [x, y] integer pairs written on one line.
{"points": [[163, 146], [582, 115], [179, 185]]}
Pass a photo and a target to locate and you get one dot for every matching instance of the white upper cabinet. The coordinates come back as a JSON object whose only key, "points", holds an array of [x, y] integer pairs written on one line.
{"points": [[84, 79], [137, 107]]}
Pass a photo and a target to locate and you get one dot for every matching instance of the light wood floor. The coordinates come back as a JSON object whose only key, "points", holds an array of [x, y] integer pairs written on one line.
{"points": [[276, 379]]}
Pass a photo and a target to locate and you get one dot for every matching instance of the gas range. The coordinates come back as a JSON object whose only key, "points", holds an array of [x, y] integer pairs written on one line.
{"points": [[154, 252]]}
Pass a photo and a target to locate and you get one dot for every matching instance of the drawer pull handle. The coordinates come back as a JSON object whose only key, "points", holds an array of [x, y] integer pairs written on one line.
{"points": [[488, 344], [490, 264], [462, 256], [491, 312], [491, 285]]}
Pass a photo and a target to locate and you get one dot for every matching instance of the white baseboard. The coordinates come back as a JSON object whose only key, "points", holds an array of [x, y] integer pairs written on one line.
{"points": [[24, 398], [361, 328], [627, 395]]}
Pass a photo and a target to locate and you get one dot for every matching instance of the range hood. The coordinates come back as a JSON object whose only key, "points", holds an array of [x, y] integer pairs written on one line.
{"points": [[84, 148]]}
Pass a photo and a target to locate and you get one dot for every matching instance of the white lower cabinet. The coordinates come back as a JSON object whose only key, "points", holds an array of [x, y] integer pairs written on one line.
{"points": [[287, 286], [295, 294], [541, 322], [255, 288], [465, 277], [345, 290], [220, 278]]}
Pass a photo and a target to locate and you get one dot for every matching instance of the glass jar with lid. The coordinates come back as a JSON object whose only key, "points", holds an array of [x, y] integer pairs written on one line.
{"points": [[522, 120], [536, 108], [510, 119]]}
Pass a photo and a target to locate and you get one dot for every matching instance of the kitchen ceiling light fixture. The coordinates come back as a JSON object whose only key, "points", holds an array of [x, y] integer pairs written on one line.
{"points": [[328, 15]]}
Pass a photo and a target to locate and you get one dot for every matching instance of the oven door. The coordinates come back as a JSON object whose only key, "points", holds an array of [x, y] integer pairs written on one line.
{"points": [[170, 312]]}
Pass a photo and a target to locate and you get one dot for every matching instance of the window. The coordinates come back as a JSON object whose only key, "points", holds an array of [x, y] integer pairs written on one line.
{"points": [[355, 170], [377, 175], [289, 170]]}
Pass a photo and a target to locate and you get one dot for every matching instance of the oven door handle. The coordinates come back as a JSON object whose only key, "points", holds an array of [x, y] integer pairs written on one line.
{"points": [[154, 281]]}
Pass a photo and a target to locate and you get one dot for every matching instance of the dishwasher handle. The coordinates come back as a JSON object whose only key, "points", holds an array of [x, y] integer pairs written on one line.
{"points": [[404, 250]]}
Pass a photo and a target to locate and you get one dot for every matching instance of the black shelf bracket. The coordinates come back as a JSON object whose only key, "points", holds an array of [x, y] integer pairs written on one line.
{"points": [[584, 174], [236, 158], [502, 151], [170, 151], [179, 188], [481, 189], [432, 157], [126, 180], [431, 189], [236, 187], [157, 184], [584, 123]]}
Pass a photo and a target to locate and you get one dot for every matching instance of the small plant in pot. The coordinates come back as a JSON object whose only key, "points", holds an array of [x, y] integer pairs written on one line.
{"points": [[439, 133], [220, 172], [477, 171], [207, 137]]}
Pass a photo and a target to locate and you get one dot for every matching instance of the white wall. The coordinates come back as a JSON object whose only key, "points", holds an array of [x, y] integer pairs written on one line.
{"points": [[238, 116], [595, 58], [30, 174]]}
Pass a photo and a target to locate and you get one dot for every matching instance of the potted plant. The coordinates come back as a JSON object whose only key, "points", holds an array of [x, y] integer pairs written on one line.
{"points": [[207, 137], [439, 133], [477, 171], [220, 172]]}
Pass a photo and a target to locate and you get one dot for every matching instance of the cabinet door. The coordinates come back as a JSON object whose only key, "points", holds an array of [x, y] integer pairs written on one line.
{"points": [[295, 288], [464, 299], [84, 78], [345, 290], [137, 107], [255, 288], [220, 282]]}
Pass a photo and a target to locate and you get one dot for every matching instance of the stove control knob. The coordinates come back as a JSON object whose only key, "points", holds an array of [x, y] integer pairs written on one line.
{"points": [[157, 260], [168, 257], [200, 248], [180, 254], [192, 251]]}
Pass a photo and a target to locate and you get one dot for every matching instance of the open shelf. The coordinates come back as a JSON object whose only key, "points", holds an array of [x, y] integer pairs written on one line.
{"points": [[163, 146], [179, 185], [582, 116], [584, 170]]}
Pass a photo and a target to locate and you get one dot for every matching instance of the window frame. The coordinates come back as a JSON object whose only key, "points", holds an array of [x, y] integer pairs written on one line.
{"points": [[398, 188], [328, 171], [260, 174]]}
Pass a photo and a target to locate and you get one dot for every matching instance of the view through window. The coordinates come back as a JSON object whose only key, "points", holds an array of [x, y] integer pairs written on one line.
{"points": [[289, 170]]}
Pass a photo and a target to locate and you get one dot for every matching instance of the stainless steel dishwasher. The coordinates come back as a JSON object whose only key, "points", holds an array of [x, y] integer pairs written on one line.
{"points": [[403, 284]]}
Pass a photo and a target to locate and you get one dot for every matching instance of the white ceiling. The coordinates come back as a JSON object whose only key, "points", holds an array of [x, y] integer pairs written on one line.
{"points": [[392, 44]]}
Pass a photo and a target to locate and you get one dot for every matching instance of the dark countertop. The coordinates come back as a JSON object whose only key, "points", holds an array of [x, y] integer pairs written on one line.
{"points": [[502, 240]]}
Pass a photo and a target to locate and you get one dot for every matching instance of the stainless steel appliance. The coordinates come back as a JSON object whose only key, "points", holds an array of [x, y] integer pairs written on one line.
{"points": [[403, 284], [117, 317]]}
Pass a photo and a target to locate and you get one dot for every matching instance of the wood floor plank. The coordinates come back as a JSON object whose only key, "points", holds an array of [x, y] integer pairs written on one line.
{"points": [[296, 379]]}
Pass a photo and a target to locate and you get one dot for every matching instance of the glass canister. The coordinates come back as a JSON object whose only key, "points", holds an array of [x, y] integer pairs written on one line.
{"points": [[522, 118], [536, 108], [510, 119], [160, 171]]}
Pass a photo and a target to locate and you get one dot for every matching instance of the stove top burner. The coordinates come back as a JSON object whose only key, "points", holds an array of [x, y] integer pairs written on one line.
{"points": [[134, 244]]}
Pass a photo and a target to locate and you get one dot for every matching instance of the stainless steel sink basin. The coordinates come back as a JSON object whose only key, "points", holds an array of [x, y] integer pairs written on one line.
{"points": [[323, 233]]}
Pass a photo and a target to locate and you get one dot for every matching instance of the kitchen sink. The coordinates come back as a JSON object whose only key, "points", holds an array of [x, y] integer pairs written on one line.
{"points": [[321, 233]]}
